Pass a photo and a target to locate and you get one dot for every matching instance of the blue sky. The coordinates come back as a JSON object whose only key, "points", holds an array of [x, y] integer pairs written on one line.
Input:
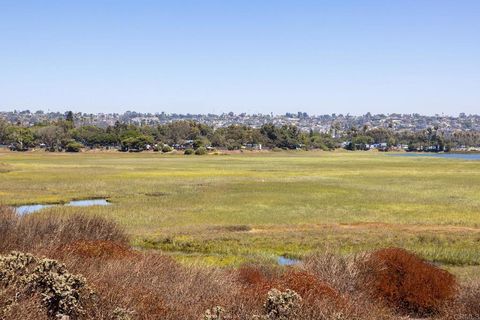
{"points": [[335, 56]]}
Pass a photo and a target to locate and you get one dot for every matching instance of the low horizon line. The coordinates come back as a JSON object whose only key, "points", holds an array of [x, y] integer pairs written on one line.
{"points": [[239, 113]]}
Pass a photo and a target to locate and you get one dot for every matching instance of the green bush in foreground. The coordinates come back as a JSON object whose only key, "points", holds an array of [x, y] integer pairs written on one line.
{"points": [[166, 149], [201, 151], [73, 147], [189, 151]]}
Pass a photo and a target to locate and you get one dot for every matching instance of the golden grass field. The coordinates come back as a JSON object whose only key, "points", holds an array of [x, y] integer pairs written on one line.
{"points": [[227, 209]]}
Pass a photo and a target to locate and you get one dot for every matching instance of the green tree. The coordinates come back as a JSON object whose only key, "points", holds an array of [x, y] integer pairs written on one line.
{"points": [[51, 136], [69, 120], [4, 127], [360, 142], [73, 146], [21, 138], [137, 143]]}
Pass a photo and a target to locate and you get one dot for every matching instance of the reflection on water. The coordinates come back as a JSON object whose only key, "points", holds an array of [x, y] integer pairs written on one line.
{"points": [[463, 156], [31, 208], [88, 203], [283, 261]]}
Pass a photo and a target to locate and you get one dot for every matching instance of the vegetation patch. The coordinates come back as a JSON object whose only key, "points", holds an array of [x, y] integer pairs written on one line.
{"points": [[157, 194], [24, 276], [4, 168], [88, 249], [141, 285], [410, 284], [308, 286], [298, 202], [235, 228], [48, 231]]}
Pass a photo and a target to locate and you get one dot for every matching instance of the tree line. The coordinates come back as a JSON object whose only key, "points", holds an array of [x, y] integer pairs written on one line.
{"points": [[64, 135]]}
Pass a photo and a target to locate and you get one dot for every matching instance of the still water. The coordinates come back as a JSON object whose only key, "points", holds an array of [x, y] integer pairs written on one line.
{"points": [[463, 156], [31, 208], [283, 261]]}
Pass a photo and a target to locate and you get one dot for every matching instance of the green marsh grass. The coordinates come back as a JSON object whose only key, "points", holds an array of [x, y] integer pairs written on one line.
{"points": [[286, 203]]}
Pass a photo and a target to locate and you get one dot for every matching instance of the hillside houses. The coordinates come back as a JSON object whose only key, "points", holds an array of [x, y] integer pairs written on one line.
{"points": [[318, 123]]}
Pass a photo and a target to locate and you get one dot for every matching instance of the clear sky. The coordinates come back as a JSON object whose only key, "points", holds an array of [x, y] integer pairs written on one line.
{"points": [[330, 56]]}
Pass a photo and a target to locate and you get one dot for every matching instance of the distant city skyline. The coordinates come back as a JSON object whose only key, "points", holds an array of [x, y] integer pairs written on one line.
{"points": [[212, 56], [65, 110], [303, 121]]}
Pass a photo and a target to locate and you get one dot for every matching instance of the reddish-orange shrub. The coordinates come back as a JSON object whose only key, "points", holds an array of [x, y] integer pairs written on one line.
{"points": [[408, 283], [148, 303], [307, 285], [251, 275], [254, 281], [95, 249]]}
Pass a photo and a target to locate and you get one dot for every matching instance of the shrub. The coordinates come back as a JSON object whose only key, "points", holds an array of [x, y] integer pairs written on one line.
{"points": [[201, 151], [130, 284], [8, 223], [408, 283], [254, 283], [154, 286], [466, 305], [166, 148], [346, 273], [254, 279], [189, 151], [310, 287], [73, 146], [121, 314], [61, 293], [216, 313], [469, 300], [47, 232], [88, 249], [307, 285], [282, 305]]}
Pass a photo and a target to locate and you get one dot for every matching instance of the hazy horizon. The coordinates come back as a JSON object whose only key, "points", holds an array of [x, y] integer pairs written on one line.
{"points": [[319, 57], [64, 111]]}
